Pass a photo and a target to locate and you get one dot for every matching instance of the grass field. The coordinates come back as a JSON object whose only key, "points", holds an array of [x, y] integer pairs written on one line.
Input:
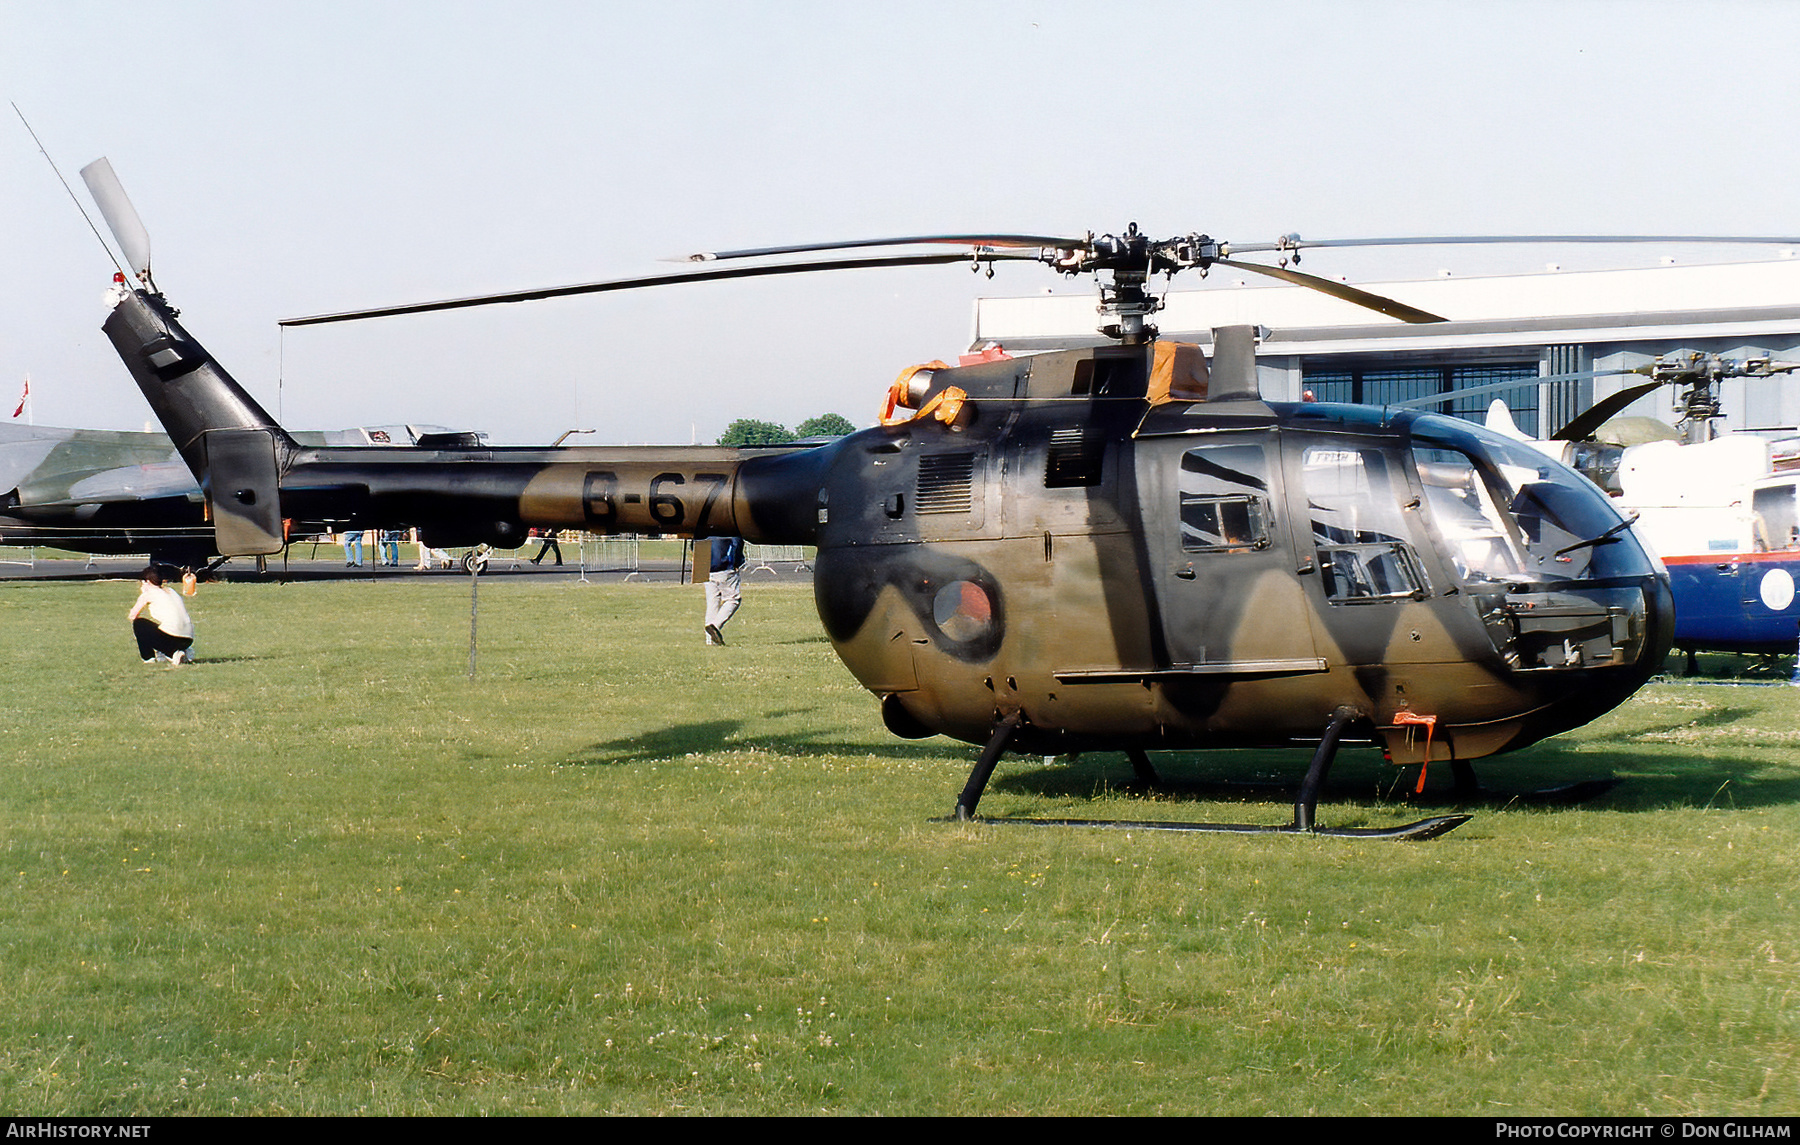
{"points": [[323, 871]]}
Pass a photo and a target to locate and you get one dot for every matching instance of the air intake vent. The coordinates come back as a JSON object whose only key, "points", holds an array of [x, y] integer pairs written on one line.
{"points": [[946, 483], [1074, 458]]}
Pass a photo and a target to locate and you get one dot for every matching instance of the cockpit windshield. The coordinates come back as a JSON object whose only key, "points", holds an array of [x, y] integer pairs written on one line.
{"points": [[1507, 512]]}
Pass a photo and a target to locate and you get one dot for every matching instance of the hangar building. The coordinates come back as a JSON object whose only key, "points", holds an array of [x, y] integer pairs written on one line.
{"points": [[1501, 328]]}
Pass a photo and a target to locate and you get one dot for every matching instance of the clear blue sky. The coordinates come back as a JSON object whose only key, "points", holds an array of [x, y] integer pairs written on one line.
{"points": [[293, 159]]}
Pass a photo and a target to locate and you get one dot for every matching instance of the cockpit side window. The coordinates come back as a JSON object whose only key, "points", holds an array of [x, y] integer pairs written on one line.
{"points": [[1224, 492], [1357, 526], [1476, 537], [1508, 512], [1773, 520]]}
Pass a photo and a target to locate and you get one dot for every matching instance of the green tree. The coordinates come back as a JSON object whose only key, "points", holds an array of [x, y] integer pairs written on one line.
{"points": [[749, 431], [825, 425]]}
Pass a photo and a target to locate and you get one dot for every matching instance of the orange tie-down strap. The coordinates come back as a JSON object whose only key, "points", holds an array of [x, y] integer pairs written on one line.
{"points": [[945, 406], [897, 392], [1429, 723]]}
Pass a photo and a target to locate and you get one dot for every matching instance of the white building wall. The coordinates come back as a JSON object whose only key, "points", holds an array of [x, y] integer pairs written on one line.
{"points": [[1617, 319]]}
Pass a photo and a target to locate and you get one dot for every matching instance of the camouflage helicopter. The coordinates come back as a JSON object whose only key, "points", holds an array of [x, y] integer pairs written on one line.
{"points": [[1119, 548]]}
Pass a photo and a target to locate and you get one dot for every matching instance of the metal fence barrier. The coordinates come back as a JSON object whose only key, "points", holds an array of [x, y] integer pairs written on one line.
{"points": [[594, 554], [29, 541], [609, 554], [762, 558]]}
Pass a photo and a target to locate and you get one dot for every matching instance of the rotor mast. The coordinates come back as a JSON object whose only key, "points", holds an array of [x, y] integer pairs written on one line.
{"points": [[1129, 259], [1699, 376]]}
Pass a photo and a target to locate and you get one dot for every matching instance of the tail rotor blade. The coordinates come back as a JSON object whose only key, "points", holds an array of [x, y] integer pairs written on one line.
{"points": [[121, 216], [1600, 412]]}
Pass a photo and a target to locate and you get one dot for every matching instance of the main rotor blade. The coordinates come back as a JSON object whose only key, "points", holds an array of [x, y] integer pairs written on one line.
{"points": [[1295, 242], [1051, 242], [1496, 387], [121, 216], [1601, 412], [647, 281], [1581, 427], [1376, 302], [1289, 243]]}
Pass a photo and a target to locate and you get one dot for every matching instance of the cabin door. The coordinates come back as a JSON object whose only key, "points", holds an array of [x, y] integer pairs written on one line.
{"points": [[1223, 560]]}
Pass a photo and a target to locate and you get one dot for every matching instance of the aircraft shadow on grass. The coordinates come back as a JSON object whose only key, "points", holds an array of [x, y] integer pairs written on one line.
{"points": [[730, 735], [1647, 780]]}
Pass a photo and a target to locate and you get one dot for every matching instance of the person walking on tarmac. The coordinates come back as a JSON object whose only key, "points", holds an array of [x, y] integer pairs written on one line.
{"points": [[724, 589], [547, 539]]}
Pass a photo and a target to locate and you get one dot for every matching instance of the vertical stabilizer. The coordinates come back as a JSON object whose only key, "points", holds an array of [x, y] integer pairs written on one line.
{"points": [[233, 446]]}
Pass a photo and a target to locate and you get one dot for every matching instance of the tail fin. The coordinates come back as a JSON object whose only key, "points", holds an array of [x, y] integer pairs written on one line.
{"points": [[236, 450]]}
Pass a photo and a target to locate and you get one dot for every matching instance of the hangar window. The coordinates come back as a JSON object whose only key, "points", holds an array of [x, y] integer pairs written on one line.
{"points": [[1378, 384]]}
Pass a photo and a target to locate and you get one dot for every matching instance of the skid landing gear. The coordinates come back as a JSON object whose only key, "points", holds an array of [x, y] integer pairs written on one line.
{"points": [[1305, 803]]}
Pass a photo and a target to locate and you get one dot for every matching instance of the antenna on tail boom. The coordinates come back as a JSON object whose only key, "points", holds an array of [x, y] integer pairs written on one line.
{"points": [[145, 273]]}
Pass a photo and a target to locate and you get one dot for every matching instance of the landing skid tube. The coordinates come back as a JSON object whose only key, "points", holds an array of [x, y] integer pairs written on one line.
{"points": [[1304, 804], [1420, 830]]}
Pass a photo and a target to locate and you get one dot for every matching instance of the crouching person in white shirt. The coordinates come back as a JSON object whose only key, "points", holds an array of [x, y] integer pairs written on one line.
{"points": [[160, 622]]}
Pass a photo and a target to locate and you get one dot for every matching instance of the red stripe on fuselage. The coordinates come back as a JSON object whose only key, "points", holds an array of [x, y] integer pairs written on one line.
{"points": [[1785, 555]]}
